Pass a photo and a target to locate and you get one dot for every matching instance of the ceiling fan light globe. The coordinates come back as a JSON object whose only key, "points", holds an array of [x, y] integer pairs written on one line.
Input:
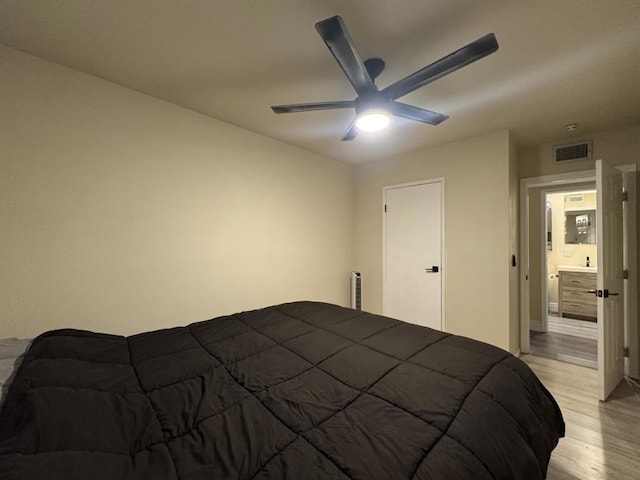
{"points": [[373, 120]]}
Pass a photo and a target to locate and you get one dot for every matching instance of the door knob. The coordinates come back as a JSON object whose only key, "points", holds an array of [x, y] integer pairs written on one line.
{"points": [[604, 293], [433, 269]]}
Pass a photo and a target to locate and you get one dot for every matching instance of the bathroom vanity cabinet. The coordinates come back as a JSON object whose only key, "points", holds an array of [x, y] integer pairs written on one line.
{"points": [[574, 299]]}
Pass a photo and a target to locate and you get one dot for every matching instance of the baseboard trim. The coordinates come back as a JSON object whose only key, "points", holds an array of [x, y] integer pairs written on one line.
{"points": [[536, 326]]}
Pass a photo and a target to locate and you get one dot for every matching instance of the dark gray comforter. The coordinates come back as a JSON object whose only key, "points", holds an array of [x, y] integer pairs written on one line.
{"points": [[301, 390]]}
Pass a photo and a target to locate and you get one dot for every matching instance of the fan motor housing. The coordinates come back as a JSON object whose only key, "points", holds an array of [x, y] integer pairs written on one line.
{"points": [[375, 66], [372, 102]]}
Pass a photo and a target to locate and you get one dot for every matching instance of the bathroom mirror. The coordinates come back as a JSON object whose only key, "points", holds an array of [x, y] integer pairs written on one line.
{"points": [[580, 227]]}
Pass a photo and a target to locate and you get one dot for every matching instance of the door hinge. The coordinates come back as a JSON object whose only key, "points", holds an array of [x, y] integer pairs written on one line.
{"points": [[625, 196], [626, 352], [385, 208], [625, 274]]}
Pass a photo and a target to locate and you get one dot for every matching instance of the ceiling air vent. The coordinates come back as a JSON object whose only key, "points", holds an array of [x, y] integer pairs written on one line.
{"points": [[572, 152]]}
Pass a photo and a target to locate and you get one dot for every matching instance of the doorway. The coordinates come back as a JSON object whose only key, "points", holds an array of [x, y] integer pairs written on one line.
{"points": [[413, 270], [617, 270], [566, 329]]}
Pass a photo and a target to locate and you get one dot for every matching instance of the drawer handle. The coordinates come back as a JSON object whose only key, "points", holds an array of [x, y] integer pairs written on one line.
{"points": [[575, 281]]}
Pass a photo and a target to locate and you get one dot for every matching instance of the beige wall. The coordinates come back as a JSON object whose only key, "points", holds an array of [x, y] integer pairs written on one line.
{"points": [[122, 213], [536, 232], [619, 147], [477, 231]]}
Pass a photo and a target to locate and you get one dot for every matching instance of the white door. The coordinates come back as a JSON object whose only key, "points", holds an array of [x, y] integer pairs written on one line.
{"points": [[413, 240], [610, 284]]}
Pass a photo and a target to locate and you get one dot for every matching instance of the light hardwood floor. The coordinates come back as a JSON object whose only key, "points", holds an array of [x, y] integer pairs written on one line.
{"points": [[602, 439]]}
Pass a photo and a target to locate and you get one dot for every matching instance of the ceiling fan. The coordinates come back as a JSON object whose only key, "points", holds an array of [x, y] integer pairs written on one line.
{"points": [[374, 107]]}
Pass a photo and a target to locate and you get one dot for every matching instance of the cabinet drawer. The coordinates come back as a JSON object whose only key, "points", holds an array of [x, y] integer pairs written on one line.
{"points": [[575, 298], [572, 296], [579, 309], [577, 280]]}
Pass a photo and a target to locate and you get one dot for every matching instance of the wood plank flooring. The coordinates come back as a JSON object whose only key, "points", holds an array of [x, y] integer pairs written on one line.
{"points": [[602, 438], [568, 340], [573, 327]]}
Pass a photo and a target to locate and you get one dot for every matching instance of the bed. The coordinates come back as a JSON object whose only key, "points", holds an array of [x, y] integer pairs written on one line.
{"points": [[299, 390]]}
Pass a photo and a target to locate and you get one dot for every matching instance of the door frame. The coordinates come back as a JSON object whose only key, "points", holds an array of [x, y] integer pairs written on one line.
{"points": [[630, 255], [443, 270], [566, 180]]}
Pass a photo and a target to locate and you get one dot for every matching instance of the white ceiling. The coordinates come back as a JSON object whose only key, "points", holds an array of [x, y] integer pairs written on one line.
{"points": [[559, 62]]}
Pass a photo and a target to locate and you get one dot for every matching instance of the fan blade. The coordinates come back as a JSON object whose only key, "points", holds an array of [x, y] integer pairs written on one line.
{"points": [[351, 133], [452, 62], [308, 107], [335, 35], [415, 113]]}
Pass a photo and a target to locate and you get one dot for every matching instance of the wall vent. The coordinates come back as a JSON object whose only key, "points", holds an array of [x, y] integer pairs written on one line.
{"points": [[574, 197], [356, 290], [573, 152]]}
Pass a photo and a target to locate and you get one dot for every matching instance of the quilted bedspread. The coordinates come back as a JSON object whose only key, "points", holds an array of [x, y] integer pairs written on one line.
{"points": [[300, 390]]}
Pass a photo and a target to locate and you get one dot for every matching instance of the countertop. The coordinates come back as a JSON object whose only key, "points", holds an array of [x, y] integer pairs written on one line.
{"points": [[577, 268]]}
